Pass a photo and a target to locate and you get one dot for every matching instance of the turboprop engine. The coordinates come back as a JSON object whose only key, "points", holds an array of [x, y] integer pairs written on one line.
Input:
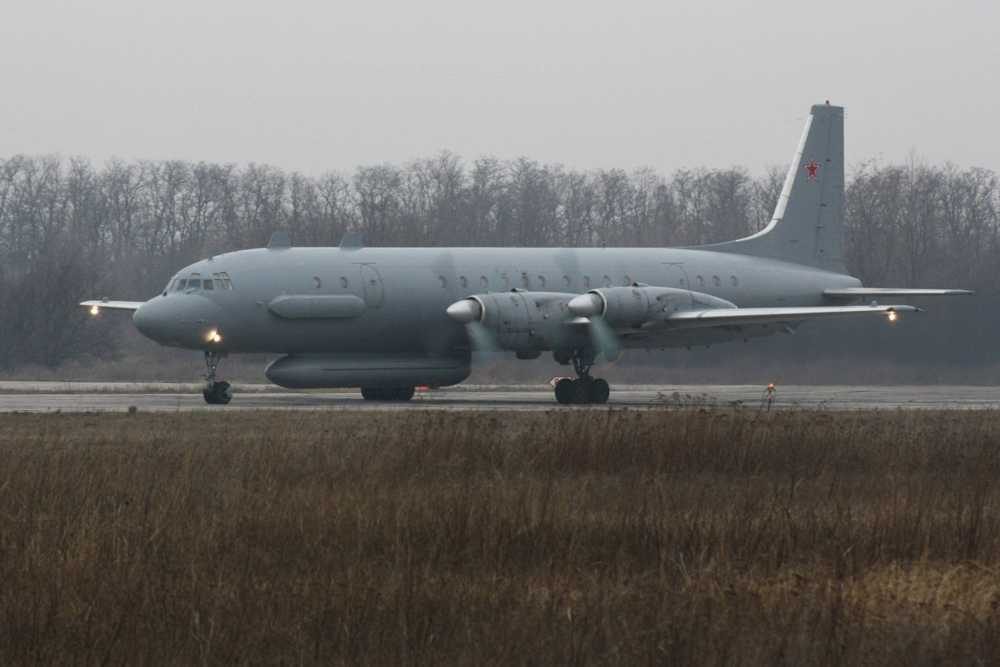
{"points": [[640, 305], [522, 321]]}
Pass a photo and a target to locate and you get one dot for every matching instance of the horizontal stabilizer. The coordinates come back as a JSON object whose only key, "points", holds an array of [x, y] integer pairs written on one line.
{"points": [[862, 292], [719, 317], [103, 304]]}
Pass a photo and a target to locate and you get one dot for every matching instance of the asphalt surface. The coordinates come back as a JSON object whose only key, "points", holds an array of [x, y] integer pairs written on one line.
{"points": [[151, 397]]}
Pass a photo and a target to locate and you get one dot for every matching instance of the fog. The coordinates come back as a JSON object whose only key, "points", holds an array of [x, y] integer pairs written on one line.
{"points": [[320, 86]]}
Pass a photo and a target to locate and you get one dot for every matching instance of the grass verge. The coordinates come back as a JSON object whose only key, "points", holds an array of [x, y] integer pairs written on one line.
{"points": [[688, 536]]}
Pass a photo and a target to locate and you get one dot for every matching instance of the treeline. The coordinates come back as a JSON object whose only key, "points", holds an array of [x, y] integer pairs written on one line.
{"points": [[70, 229]]}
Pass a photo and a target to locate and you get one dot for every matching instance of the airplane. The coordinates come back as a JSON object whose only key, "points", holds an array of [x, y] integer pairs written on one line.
{"points": [[390, 319]]}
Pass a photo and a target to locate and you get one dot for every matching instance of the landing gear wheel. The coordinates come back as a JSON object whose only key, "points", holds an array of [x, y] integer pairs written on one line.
{"points": [[600, 391], [403, 393], [218, 393], [387, 393], [581, 390], [565, 391]]}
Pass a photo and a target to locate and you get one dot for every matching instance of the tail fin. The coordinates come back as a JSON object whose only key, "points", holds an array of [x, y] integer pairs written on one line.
{"points": [[808, 222]]}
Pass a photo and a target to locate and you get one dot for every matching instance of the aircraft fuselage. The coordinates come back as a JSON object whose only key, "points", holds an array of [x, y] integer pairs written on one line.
{"points": [[405, 291]]}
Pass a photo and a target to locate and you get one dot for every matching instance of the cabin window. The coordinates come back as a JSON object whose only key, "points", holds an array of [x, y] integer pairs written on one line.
{"points": [[344, 282], [682, 282], [484, 282], [566, 281], [463, 281], [734, 281], [607, 281], [701, 281], [317, 282], [443, 281], [541, 282], [525, 281], [716, 281], [586, 282], [628, 280]]}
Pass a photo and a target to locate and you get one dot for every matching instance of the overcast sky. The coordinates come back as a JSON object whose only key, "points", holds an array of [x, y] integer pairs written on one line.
{"points": [[329, 85]]}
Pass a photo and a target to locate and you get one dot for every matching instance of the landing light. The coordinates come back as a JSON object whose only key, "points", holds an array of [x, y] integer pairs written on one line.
{"points": [[95, 311], [893, 316], [213, 336]]}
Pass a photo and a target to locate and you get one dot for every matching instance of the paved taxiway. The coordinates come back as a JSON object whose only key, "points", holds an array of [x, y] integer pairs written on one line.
{"points": [[95, 397]]}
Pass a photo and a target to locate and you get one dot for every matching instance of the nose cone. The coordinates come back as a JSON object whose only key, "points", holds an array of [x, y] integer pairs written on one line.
{"points": [[180, 320], [465, 311], [152, 320], [586, 305]]}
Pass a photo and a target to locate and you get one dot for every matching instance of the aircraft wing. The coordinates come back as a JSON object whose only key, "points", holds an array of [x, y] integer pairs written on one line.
{"points": [[102, 304], [719, 317], [861, 292]]}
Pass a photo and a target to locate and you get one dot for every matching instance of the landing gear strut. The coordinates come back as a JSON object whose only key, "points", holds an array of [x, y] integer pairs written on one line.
{"points": [[584, 389], [215, 392]]}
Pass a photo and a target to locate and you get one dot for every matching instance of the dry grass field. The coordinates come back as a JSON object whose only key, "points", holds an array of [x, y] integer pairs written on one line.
{"points": [[635, 537]]}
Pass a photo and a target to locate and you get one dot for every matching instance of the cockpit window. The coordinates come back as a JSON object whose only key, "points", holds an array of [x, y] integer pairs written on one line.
{"points": [[218, 281], [221, 280]]}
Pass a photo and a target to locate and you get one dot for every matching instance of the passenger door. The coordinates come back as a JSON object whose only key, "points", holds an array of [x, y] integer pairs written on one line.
{"points": [[373, 290]]}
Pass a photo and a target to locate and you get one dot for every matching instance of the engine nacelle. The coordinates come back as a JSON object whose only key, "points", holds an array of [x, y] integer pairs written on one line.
{"points": [[315, 371], [639, 305], [522, 321]]}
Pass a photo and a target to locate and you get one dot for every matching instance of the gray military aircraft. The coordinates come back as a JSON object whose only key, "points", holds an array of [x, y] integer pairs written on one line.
{"points": [[389, 319]]}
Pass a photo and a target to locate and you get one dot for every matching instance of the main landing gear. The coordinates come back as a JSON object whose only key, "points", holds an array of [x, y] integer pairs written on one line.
{"points": [[387, 393], [584, 389], [216, 392]]}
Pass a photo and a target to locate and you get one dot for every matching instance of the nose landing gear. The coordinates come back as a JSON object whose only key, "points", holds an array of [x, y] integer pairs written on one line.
{"points": [[585, 389], [216, 392]]}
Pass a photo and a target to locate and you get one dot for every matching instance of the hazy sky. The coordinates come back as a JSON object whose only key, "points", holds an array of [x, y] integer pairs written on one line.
{"points": [[317, 86]]}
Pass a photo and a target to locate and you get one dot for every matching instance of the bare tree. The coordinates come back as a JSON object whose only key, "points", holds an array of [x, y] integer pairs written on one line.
{"points": [[69, 230]]}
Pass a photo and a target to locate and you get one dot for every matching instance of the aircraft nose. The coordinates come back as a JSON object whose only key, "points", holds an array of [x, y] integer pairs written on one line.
{"points": [[154, 320], [179, 320]]}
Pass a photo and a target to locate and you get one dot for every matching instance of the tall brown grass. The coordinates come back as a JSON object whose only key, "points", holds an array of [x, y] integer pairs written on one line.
{"points": [[563, 537]]}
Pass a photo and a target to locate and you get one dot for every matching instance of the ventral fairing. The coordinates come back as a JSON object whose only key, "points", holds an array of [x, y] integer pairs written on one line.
{"points": [[389, 319]]}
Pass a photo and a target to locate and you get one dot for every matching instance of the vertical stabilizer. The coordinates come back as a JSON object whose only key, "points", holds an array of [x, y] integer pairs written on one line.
{"points": [[808, 222]]}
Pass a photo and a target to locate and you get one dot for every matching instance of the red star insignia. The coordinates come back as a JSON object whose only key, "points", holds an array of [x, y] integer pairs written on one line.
{"points": [[812, 169]]}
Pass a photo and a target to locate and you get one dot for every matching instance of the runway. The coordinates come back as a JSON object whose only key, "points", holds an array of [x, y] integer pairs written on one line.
{"points": [[159, 397]]}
